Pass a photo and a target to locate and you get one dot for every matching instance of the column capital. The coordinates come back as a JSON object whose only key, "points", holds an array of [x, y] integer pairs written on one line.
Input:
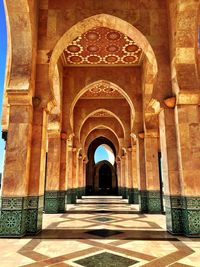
{"points": [[184, 97], [19, 97], [188, 98], [54, 134]]}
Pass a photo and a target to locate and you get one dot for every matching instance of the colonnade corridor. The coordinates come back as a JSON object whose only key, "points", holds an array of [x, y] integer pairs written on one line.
{"points": [[101, 231], [86, 75]]}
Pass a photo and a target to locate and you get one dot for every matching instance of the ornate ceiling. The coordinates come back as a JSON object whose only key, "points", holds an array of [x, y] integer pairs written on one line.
{"points": [[102, 46], [101, 114], [102, 90]]}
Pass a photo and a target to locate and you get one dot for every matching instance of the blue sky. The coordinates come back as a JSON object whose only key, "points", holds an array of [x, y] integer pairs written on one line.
{"points": [[3, 48], [100, 154]]}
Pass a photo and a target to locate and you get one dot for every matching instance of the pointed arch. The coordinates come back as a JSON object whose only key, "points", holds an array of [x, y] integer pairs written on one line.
{"points": [[101, 110], [104, 20], [101, 127], [90, 86]]}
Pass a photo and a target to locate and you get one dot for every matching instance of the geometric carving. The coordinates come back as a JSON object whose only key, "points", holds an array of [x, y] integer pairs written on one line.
{"points": [[103, 46], [101, 114], [102, 90]]}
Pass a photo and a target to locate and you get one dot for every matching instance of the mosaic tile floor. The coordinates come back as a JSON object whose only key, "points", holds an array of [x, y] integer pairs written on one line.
{"points": [[101, 235]]}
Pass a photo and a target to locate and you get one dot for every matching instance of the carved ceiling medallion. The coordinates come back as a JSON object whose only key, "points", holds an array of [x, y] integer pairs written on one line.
{"points": [[102, 46]]}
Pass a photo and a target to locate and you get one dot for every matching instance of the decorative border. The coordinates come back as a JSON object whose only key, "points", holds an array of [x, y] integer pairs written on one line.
{"points": [[71, 195], [21, 215], [183, 215], [150, 201], [80, 192], [54, 201], [133, 196]]}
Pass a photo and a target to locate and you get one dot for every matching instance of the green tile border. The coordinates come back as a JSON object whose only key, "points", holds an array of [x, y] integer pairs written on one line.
{"points": [[80, 192], [150, 201], [54, 201], [133, 196], [183, 215], [71, 195], [21, 215]]}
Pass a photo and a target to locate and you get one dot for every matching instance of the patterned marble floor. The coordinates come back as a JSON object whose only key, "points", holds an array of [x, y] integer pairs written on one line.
{"points": [[101, 235]]}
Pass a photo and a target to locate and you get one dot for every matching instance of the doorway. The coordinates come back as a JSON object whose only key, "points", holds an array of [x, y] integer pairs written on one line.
{"points": [[105, 180]]}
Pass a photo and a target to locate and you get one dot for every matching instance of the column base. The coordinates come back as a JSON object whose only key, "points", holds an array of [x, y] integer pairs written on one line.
{"points": [[124, 192], [133, 196], [183, 215], [80, 192], [54, 201], [21, 216], [150, 201], [71, 196]]}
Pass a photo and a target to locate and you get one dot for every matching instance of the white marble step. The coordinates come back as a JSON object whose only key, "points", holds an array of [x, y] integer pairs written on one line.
{"points": [[102, 199]]}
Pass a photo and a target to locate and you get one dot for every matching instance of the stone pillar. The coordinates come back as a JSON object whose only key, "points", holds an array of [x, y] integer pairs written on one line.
{"points": [[80, 176], [15, 216], [118, 162], [170, 171], [152, 173], [84, 175], [143, 205], [54, 197], [37, 167], [63, 165], [71, 192], [130, 176], [123, 176], [188, 139], [135, 175]]}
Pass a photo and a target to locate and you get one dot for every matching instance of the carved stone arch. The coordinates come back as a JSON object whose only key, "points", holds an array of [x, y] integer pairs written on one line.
{"points": [[99, 111], [115, 23]]}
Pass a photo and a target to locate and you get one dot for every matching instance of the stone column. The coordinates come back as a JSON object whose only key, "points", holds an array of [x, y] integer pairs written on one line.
{"points": [[130, 176], [84, 175], [188, 138], [152, 172], [123, 176], [170, 170], [71, 193], [15, 216], [54, 197], [118, 163], [80, 176], [63, 165], [135, 174], [143, 205], [37, 167]]}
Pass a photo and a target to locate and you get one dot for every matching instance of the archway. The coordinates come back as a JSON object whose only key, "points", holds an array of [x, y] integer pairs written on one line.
{"points": [[96, 181], [105, 179], [112, 22]]}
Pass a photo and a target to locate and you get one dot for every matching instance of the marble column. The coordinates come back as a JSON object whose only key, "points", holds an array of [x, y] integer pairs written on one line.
{"points": [[71, 179], [63, 165], [14, 215], [81, 187], [54, 197], [152, 173], [118, 163], [188, 139], [84, 175], [170, 170], [123, 176], [38, 167], [130, 176], [143, 204], [134, 167]]}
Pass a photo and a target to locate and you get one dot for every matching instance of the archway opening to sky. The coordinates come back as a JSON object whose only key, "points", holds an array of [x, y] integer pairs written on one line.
{"points": [[104, 152]]}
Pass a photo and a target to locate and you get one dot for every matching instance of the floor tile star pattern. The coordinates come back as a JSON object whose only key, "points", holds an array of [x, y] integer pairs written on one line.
{"points": [[101, 235]]}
